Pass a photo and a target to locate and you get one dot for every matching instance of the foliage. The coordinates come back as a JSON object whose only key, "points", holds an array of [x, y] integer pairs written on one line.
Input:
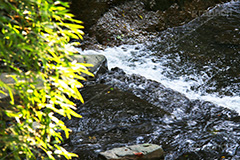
{"points": [[34, 44]]}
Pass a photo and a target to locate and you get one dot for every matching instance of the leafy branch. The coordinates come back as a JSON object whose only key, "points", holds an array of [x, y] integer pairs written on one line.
{"points": [[34, 45]]}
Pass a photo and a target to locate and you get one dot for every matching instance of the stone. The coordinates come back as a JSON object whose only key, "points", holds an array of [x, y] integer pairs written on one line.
{"points": [[140, 151], [99, 63], [90, 11], [159, 4], [109, 24]]}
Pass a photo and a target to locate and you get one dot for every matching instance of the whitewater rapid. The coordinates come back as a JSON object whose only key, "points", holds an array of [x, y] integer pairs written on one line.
{"points": [[133, 60]]}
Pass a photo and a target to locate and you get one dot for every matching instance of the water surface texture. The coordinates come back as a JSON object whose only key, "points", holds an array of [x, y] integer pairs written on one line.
{"points": [[187, 93], [200, 59]]}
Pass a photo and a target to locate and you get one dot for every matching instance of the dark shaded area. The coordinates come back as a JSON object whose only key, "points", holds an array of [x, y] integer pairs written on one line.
{"points": [[186, 129], [211, 51], [89, 11], [198, 129], [110, 118], [112, 22], [161, 5]]}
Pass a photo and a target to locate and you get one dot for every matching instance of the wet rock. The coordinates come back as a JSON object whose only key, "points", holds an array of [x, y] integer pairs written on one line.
{"points": [[90, 11], [136, 21], [195, 129], [111, 118], [152, 91], [230, 37], [159, 4], [134, 152], [99, 63], [124, 22]]}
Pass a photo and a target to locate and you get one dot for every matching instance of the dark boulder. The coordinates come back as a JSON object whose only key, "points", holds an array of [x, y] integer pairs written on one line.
{"points": [[89, 11], [155, 5], [112, 23], [111, 118]]}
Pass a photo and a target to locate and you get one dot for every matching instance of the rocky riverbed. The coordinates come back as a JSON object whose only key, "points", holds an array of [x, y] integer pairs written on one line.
{"points": [[144, 111], [124, 109]]}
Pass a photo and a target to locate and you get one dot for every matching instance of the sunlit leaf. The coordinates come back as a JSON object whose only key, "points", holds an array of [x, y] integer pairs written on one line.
{"points": [[35, 46]]}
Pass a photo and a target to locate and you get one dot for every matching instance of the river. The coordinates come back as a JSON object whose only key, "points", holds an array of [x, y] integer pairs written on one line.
{"points": [[200, 59], [187, 83]]}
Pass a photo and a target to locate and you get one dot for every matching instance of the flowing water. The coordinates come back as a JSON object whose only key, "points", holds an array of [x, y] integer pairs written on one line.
{"points": [[200, 59], [188, 84]]}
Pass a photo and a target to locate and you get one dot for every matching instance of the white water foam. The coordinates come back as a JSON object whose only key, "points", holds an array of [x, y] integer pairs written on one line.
{"points": [[136, 61]]}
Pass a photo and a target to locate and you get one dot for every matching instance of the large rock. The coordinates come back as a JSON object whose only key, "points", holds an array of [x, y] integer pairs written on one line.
{"points": [[89, 11], [111, 118], [99, 63], [137, 21], [125, 23], [134, 152], [159, 4]]}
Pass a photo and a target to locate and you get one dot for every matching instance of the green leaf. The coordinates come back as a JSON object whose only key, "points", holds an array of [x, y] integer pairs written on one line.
{"points": [[35, 36], [75, 114], [72, 26]]}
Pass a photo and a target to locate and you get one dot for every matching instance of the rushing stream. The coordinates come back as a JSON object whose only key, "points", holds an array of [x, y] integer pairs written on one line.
{"points": [[200, 59], [188, 84]]}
